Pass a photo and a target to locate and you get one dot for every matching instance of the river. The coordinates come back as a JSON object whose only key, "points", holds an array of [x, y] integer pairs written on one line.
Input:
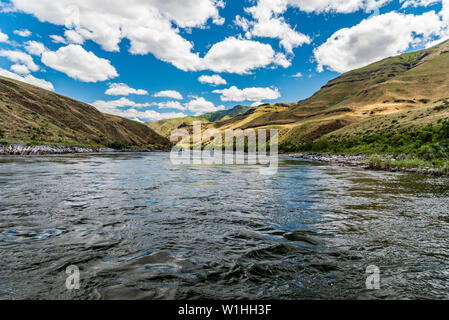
{"points": [[139, 227]]}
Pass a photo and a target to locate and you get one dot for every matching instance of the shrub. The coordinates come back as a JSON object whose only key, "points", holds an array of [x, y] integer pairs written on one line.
{"points": [[117, 145]]}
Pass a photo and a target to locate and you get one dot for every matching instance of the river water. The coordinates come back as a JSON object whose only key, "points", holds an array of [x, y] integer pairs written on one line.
{"points": [[138, 227]]}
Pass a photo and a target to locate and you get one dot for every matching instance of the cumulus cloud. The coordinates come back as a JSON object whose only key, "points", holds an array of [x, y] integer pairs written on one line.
{"points": [[200, 106], [170, 105], [320, 6], [20, 69], [35, 48], [376, 38], [268, 21], [149, 115], [23, 33], [3, 37], [240, 56], [20, 57], [257, 104], [169, 94], [79, 64], [106, 106], [58, 39], [28, 79], [73, 36], [297, 75], [418, 3], [152, 26], [148, 25], [115, 107], [122, 89], [213, 80], [248, 94]]}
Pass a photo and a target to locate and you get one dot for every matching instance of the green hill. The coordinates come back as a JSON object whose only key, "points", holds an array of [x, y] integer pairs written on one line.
{"points": [[31, 114]]}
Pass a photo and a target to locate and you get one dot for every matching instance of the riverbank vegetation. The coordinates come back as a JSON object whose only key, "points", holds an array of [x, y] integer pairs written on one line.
{"points": [[426, 147]]}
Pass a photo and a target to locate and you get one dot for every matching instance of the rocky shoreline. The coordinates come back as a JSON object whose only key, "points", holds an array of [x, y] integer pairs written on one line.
{"points": [[362, 161], [21, 149], [346, 160]]}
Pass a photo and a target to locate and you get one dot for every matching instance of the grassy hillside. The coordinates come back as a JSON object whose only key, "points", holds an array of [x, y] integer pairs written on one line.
{"points": [[34, 115], [397, 106], [165, 127]]}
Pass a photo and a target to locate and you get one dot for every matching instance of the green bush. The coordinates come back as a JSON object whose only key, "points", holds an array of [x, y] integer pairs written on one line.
{"points": [[117, 145], [430, 142]]}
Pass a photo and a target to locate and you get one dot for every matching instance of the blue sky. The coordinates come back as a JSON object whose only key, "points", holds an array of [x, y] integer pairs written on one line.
{"points": [[150, 54]]}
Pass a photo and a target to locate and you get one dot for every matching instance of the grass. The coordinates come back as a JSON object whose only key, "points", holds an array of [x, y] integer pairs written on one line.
{"points": [[426, 147]]}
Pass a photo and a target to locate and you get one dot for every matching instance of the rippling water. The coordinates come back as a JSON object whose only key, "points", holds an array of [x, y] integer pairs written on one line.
{"points": [[141, 228]]}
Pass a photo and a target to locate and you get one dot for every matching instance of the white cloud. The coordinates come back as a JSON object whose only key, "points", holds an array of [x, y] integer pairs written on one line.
{"points": [[321, 6], [148, 25], [3, 37], [297, 75], [257, 104], [169, 94], [418, 3], [21, 57], [281, 59], [213, 80], [35, 48], [153, 26], [148, 115], [79, 64], [170, 105], [201, 106], [277, 28], [23, 33], [74, 37], [122, 89], [376, 38], [58, 39], [268, 21], [240, 56], [445, 12], [248, 94], [106, 106], [28, 79], [112, 107], [20, 69]]}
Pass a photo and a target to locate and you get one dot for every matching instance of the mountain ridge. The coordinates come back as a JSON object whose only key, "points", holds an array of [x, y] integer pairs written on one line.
{"points": [[34, 115]]}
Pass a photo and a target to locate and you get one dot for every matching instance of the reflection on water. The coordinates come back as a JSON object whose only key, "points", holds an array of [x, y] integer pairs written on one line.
{"points": [[141, 228]]}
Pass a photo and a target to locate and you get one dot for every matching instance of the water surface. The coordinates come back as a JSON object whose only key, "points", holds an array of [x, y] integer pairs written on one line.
{"points": [[141, 228]]}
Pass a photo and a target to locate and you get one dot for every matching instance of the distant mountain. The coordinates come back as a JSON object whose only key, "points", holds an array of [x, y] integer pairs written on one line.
{"points": [[165, 127], [32, 114]]}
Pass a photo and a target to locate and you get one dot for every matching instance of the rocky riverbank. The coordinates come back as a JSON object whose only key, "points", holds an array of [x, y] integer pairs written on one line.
{"points": [[385, 163], [20, 149], [347, 160]]}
